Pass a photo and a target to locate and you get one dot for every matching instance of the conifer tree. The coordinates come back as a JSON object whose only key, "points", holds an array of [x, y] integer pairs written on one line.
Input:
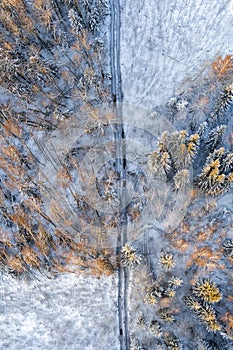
{"points": [[215, 137], [224, 103], [217, 174]]}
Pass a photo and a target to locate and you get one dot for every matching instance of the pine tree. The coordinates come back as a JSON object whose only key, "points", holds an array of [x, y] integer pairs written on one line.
{"points": [[165, 316], [167, 260], [228, 247], [76, 21], [182, 148], [215, 137], [205, 345], [175, 150], [129, 256], [227, 163], [175, 282], [215, 177], [193, 304], [160, 161], [224, 103], [207, 290], [205, 313], [155, 329], [153, 294], [172, 342], [181, 179], [136, 345]]}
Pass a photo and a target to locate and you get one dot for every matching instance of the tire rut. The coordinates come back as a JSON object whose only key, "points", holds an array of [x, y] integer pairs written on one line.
{"points": [[117, 97]]}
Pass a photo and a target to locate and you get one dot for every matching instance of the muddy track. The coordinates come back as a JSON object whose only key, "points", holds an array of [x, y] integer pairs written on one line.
{"points": [[116, 89]]}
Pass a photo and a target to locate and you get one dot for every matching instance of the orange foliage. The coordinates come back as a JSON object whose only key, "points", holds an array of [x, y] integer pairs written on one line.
{"points": [[75, 264], [203, 102], [35, 88], [21, 219], [104, 267], [15, 264], [205, 257], [230, 258], [228, 319], [193, 193], [12, 127], [63, 177], [42, 241], [181, 244], [164, 302], [134, 214], [202, 236], [211, 229], [30, 257], [11, 152], [185, 227], [223, 66], [14, 3]]}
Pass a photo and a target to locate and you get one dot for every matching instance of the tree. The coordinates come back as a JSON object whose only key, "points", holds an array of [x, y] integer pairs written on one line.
{"points": [[215, 137], [207, 290], [215, 177]]}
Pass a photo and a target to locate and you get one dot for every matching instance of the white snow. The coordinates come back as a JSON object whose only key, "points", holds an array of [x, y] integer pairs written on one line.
{"points": [[67, 312], [163, 42]]}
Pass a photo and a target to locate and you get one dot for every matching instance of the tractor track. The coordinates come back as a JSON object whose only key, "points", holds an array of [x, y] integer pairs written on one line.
{"points": [[119, 135]]}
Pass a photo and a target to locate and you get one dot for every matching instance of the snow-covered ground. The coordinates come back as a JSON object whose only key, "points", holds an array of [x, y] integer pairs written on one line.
{"points": [[164, 42], [67, 312]]}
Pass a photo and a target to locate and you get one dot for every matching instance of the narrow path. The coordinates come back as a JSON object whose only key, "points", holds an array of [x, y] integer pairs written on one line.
{"points": [[120, 167], [115, 51]]}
